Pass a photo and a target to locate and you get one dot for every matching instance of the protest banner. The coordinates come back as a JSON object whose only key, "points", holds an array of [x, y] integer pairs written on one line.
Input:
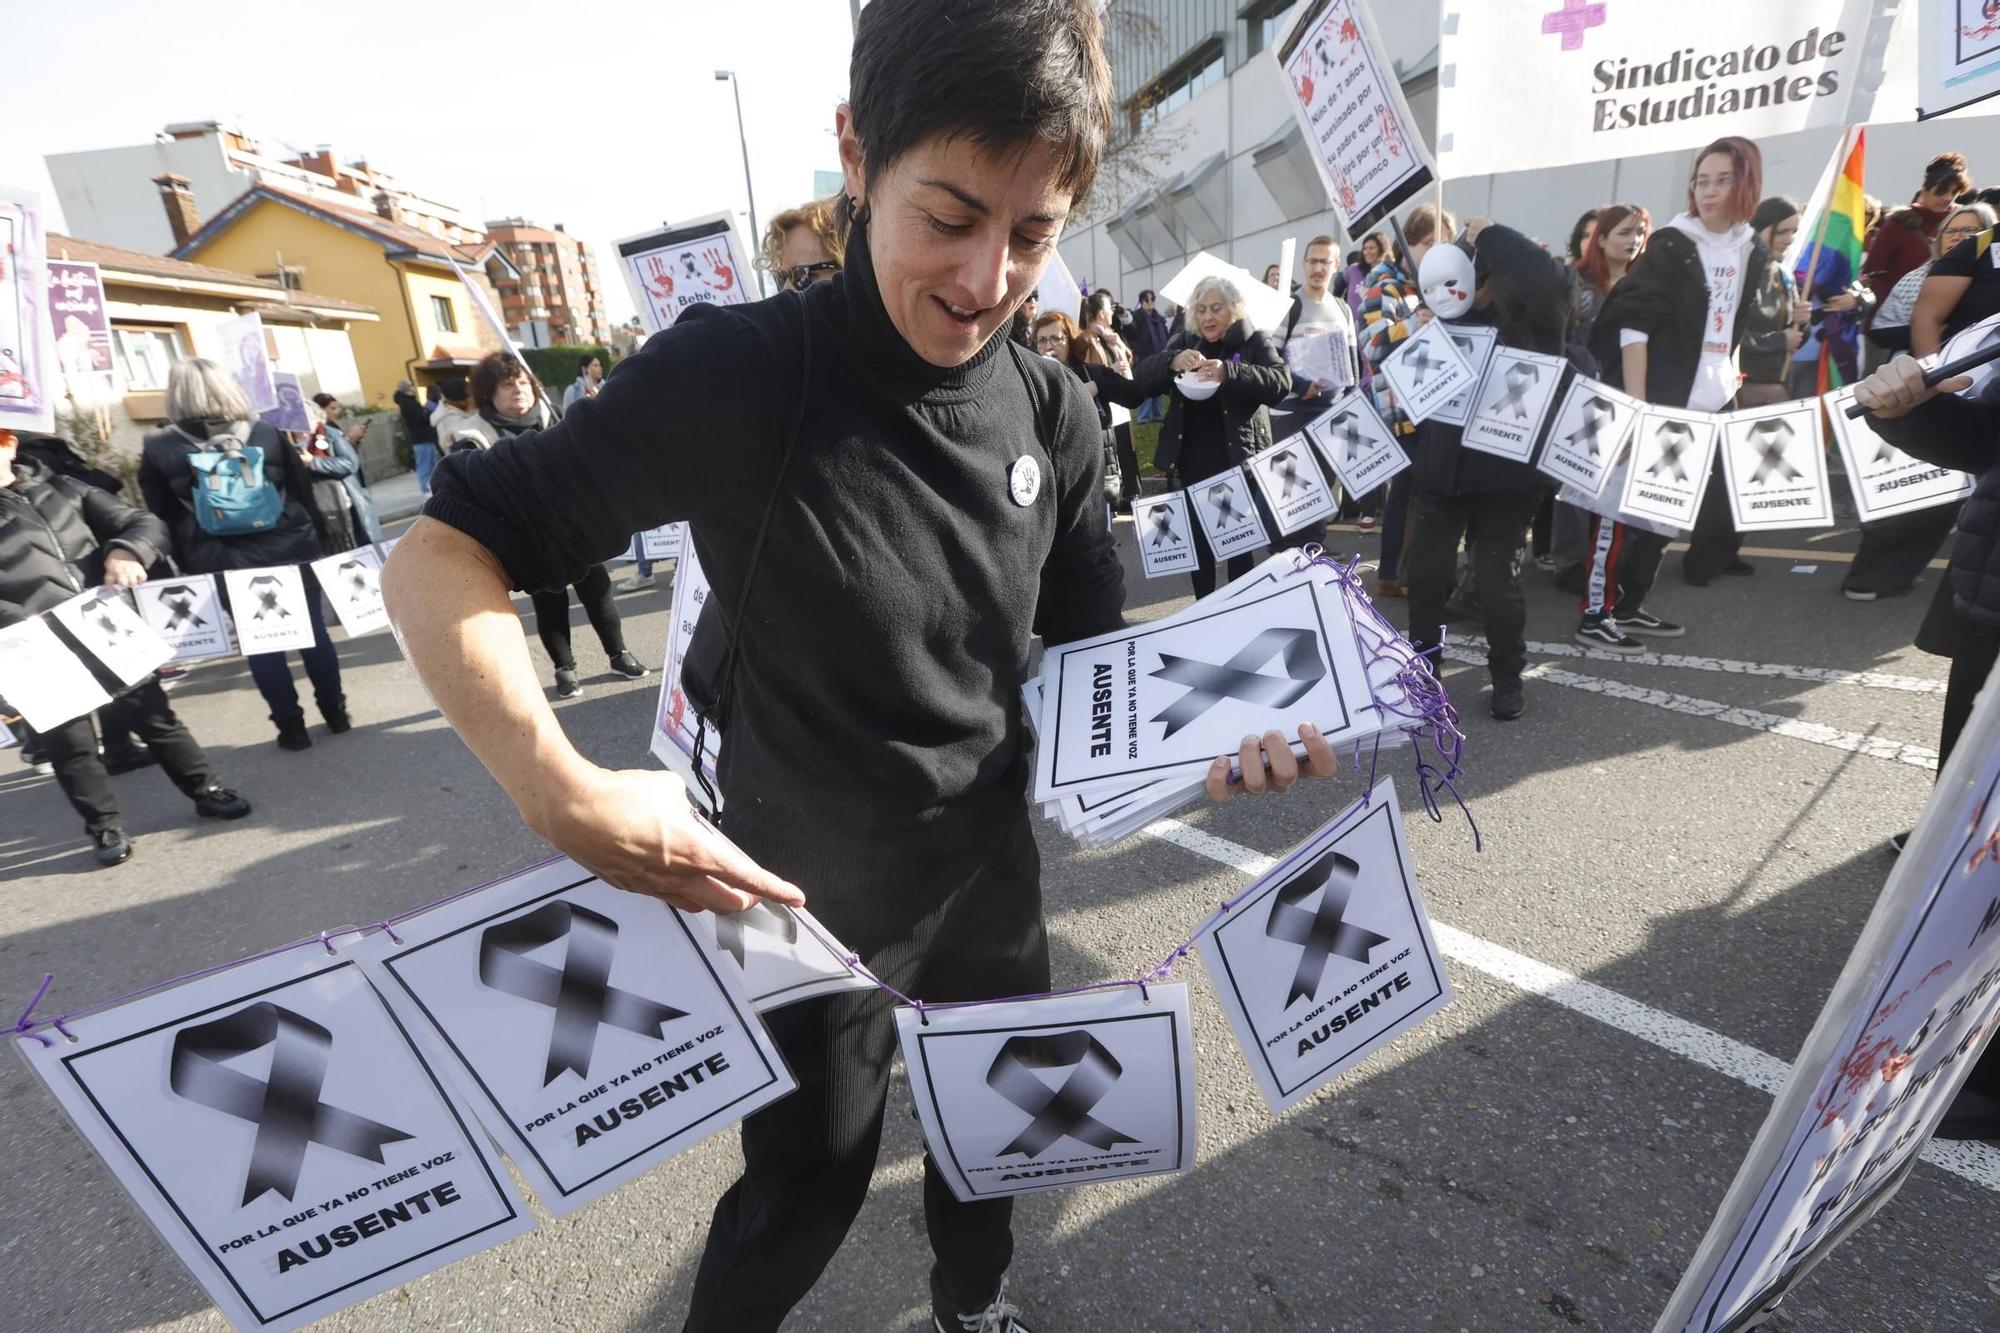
{"points": [[1427, 371], [28, 387], [1052, 1092], [1289, 477], [1356, 445], [277, 1127], [1512, 402], [1475, 342], [246, 359], [590, 1065], [82, 330], [675, 726], [1227, 514], [1885, 480], [690, 263], [352, 582], [778, 955], [186, 611], [1162, 700], [41, 679], [1905, 1023], [1348, 99], [1586, 81], [270, 608], [290, 413], [1590, 432], [1958, 62], [1672, 451], [1329, 955], [107, 628], [1775, 467], [1166, 543]]}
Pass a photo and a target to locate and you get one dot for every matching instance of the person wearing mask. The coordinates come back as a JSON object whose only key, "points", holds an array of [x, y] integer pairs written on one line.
{"points": [[509, 407], [803, 245], [60, 537], [423, 435], [1905, 239], [456, 420], [1486, 502], [1668, 334], [1392, 310], [589, 375], [209, 415], [1774, 327], [934, 499], [346, 510]]}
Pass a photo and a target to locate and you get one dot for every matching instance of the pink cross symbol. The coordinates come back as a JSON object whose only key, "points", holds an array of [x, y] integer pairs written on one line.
{"points": [[1572, 20]]}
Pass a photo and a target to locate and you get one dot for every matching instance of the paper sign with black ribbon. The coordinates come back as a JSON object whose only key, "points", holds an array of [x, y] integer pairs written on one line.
{"points": [[1356, 446], [276, 1124], [1329, 955], [662, 543], [1672, 451], [352, 582], [186, 611], [1885, 480], [1047, 1093], [1292, 485], [1165, 534], [1512, 402], [1590, 432], [42, 679], [1227, 514], [593, 1030], [104, 624], [676, 729], [1775, 466], [1475, 342], [779, 954], [1427, 372], [269, 608]]}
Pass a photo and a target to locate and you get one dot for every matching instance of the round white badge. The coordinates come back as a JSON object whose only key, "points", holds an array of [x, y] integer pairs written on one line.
{"points": [[1024, 481]]}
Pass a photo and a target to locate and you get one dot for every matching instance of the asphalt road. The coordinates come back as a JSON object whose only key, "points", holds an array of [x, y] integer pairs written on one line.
{"points": [[1667, 830]]}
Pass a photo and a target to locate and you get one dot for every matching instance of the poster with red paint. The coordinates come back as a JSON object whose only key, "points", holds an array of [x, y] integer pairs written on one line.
{"points": [[1905, 1024], [28, 385], [690, 263]]}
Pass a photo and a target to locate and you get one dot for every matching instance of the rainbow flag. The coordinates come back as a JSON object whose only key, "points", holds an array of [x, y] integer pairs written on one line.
{"points": [[1842, 229]]}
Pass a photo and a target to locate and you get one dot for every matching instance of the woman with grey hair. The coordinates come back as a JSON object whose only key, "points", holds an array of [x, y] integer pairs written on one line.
{"points": [[1206, 435], [210, 430]]}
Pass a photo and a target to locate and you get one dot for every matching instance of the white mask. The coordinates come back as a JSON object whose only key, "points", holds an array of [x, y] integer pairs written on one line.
{"points": [[1447, 280]]}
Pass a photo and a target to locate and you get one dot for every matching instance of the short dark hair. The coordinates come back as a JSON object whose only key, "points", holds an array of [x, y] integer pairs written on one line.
{"points": [[1948, 170], [494, 369], [1001, 72], [1148, 295]]}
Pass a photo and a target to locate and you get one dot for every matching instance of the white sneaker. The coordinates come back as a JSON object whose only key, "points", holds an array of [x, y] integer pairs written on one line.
{"points": [[1002, 1316], [634, 583]]}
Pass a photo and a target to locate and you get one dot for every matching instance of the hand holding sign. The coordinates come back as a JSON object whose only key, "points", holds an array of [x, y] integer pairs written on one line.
{"points": [[1900, 387], [1267, 763]]}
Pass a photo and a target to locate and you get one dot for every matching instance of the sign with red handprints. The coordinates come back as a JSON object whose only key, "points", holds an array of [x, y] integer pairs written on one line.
{"points": [[697, 263]]}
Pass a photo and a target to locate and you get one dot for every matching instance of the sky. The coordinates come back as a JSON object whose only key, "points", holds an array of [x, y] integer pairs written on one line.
{"points": [[610, 126]]}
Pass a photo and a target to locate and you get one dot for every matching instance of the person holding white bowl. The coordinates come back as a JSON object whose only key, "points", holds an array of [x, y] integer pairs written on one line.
{"points": [[1225, 375]]}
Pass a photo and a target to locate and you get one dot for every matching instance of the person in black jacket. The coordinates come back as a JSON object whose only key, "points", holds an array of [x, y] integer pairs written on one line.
{"points": [[209, 413], [60, 537], [423, 435], [1201, 437], [1480, 498]]}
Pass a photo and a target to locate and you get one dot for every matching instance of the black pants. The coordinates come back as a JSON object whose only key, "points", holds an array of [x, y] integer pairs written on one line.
{"points": [[552, 617], [1622, 564], [1494, 528], [1972, 660], [1128, 462], [1894, 550], [1395, 526], [72, 751], [1714, 544], [273, 673], [951, 911]]}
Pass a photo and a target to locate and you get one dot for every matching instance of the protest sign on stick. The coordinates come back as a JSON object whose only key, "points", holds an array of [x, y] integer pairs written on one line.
{"points": [[186, 611], [1958, 62], [690, 263], [246, 359], [1165, 534], [28, 379], [290, 413], [82, 330]]}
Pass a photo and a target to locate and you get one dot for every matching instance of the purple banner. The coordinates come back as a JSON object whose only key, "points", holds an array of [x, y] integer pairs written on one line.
{"points": [[83, 330]]}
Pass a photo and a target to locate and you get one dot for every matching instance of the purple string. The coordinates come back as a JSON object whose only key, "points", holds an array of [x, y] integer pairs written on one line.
{"points": [[22, 1027]]}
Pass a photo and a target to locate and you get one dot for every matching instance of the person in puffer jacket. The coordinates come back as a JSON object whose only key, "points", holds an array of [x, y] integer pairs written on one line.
{"points": [[60, 537]]}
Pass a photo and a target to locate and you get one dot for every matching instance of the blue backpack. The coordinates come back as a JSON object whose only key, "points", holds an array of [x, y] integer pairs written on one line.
{"points": [[232, 496]]}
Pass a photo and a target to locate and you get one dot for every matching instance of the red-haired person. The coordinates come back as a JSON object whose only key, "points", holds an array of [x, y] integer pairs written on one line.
{"points": [[1611, 249], [1668, 334]]}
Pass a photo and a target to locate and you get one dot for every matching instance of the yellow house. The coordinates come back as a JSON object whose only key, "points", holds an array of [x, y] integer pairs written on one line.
{"points": [[429, 330]]}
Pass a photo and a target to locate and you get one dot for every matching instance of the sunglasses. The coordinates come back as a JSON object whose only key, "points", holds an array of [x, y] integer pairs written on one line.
{"points": [[801, 276]]}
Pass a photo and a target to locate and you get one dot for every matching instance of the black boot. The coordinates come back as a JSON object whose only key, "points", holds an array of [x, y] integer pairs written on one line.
{"points": [[292, 735], [337, 720]]}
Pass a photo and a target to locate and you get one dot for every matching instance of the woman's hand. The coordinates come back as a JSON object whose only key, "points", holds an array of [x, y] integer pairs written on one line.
{"points": [[1210, 372], [1268, 764], [635, 830], [122, 569], [1842, 303], [1794, 335], [1899, 386], [1187, 359]]}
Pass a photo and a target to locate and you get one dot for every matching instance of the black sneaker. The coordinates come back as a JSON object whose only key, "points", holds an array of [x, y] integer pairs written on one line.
{"points": [[36, 758], [113, 847], [337, 720], [1647, 625], [218, 802], [629, 666], [125, 759], [292, 735], [567, 685], [1507, 703], [1602, 632], [1741, 569], [1001, 1316]]}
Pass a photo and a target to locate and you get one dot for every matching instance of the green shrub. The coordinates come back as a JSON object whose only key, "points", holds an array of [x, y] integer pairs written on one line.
{"points": [[556, 366]]}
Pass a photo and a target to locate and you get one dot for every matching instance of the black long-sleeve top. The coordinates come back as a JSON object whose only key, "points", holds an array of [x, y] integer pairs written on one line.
{"points": [[1962, 434], [890, 622]]}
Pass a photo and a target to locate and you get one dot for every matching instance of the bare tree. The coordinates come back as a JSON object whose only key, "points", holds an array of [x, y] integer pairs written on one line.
{"points": [[1140, 145]]}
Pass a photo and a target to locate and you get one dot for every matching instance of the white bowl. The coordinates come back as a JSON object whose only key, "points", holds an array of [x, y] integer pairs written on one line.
{"points": [[1193, 389]]}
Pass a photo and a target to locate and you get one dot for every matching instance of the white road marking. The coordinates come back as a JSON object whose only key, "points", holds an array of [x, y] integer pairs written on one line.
{"points": [[1867, 680], [1975, 1162], [1875, 747]]}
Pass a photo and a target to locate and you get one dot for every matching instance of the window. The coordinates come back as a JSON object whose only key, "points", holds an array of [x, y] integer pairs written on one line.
{"points": [[1187, 80], [145, 355], [1265, 22], [442, 314]]}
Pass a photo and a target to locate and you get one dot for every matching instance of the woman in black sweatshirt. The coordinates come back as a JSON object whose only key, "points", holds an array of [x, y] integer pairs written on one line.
{"points": [[890, 499]]}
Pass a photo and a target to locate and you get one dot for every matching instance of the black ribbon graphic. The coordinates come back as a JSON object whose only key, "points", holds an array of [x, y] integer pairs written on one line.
{"points": [[286, 1109], [268, 590], [1597, 414], [1421, 364], [1350, 435], [764, 920], [1062, 1112], [1673, 437], [100, 616], [580, 991], [1521, 377], [361, 580], [1320, 932], [1286, 465], [180, 607], [1163, 528], [1770, 439], [1209, 684]]}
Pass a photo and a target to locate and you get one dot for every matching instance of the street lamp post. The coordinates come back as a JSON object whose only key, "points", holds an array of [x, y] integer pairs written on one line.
{"points": [[750, 191]]}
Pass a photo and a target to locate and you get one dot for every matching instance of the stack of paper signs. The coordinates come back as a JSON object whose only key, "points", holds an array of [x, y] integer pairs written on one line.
{"points": [[1127, 724]]}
